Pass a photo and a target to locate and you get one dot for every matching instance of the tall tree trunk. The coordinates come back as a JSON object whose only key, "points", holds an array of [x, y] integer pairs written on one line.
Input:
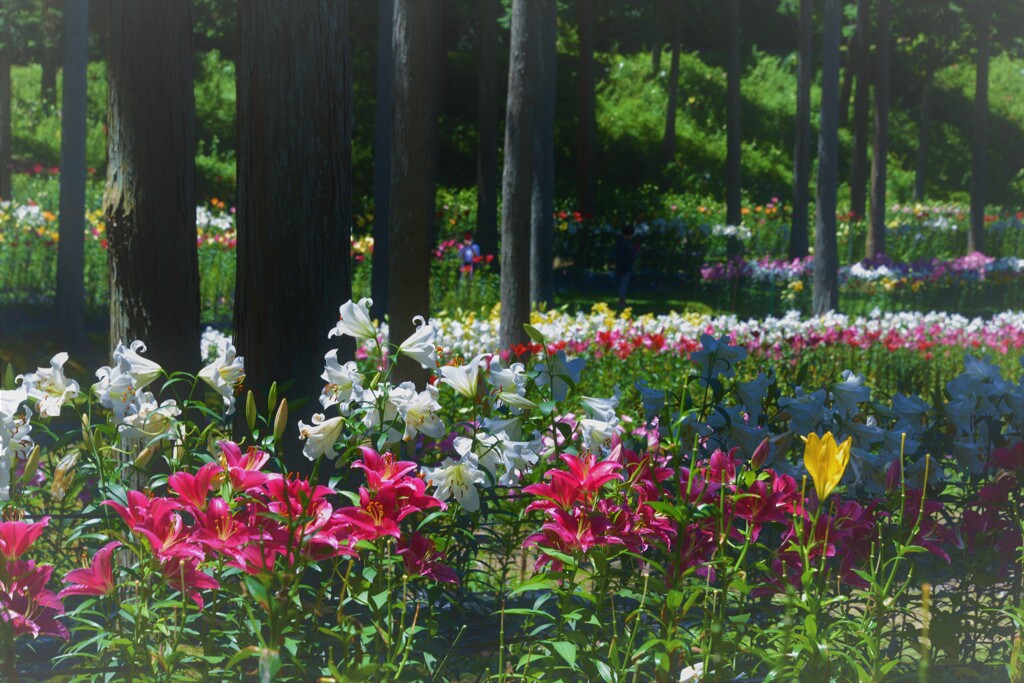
{"points": [[586, 175], [517, 176], [382, 157], [979, 144], [668, 142], [861, 104], [880, 152], [733, 180], [542, 206], [438, 73], [923, 124], [150, 205], [826, 257], [294, 192], [849, 75], [798, 235], [5, 116], [412, 204], [48, 78], [487, 130], [69, 305]]}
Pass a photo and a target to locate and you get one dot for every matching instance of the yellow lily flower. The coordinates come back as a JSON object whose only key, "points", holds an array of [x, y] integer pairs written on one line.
{"points": [[826, 462]]}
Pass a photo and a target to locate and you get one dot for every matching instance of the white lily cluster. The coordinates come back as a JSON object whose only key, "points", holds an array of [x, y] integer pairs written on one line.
{"points": [[225, 373], [15, 441]]}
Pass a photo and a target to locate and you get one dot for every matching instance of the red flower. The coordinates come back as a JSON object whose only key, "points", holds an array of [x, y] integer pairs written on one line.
{"points": [[16, 537], [422, 559], [381, 469], [244, 470], [193, 489], [98, 579], [182, 574], [25, 602]]}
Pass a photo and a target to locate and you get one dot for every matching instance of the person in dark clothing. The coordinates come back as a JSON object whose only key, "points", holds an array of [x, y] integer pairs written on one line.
{"points": [[625, 256]]}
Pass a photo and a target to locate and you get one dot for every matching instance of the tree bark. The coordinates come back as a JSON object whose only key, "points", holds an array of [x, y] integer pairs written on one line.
{"points": [[294, 193], [517, 176], [412, 204], [382, 158], [437, 73], [798, 236], [586, 191], [542, 206], [487, 130], [5, 119], [733, 170], [849, 75], [149, 204], [69, 304], [923, 124], [826, 257], [861, 104], [976, 235], [880, 152]]}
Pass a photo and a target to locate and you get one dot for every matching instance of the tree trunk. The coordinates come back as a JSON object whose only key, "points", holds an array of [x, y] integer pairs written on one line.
{"points": [[976, 236], [69, 305], [861, 103], [487, 130], [150, 205], [586, 178], [5, 119], [542, 207], [798, 236], [294, 193], [880, 152], [923, 124], [412, 204], [438, 54], [733, 180], [517, 176], [826, 257], [382, 158], [849, 74]]}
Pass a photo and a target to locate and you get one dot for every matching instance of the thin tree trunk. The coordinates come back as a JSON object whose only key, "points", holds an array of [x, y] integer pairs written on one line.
{"points": [[542, 206], [733, 170], [294, 193], [849, 74], [487, 130], [880, 152], [923, 124], [412, 204], [976, 236], [668, 142], [437, 73], [517, 177], [5, 119], [826, 257], [69, 304], [861, 104], [382, 158], [150, 205], [586, 192], [798, 236]]}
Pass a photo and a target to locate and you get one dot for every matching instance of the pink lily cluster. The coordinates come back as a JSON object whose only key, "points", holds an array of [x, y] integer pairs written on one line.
{"points": [[987, 530], [257, 521], [26, 605]]}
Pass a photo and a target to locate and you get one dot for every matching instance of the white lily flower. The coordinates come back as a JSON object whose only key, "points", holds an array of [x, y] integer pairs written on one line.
{"points": [[602, 408], [463, 378], [354, 321], [485, 450], [142, 369], [344, 382], [562, 371], [458, 478], [382, 412], [51, 387], [225, 374], [511, 426], [10, 399], [421, 346], [717, 357], [519, 458], [507, 380], [851, 391], [15, 441], [597, 434], [418, 410], [320, 436], [147, 420], [116, 388]]}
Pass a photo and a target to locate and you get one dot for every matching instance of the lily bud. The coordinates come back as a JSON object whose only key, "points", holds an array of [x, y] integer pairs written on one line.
{"points": [[144, 457], [63, 474], [250, 411], [761, 453], [8, 380], [281, 419], [86, 432], [31, 465], [272, 396]]}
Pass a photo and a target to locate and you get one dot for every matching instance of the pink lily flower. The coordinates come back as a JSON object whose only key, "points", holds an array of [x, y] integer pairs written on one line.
{"points": [[98, 579]]}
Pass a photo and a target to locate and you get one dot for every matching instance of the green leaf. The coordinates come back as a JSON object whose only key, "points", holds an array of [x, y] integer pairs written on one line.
{"points": [[604, 670], [567, 651], [534, 334]]}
